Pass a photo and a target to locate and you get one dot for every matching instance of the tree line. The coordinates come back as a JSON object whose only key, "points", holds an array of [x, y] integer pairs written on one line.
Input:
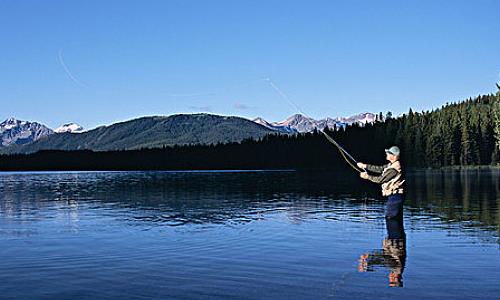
{"points": [[465, 133]]}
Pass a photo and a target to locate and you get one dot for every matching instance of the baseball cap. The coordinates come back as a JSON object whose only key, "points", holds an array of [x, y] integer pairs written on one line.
{"points": [[394, 150]]}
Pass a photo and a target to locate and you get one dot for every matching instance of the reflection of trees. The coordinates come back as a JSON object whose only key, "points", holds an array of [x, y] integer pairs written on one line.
{"points": [[176, 198], [470, 197]]}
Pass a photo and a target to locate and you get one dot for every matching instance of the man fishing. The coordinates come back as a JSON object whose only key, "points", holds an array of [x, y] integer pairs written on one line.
{"points": [[393, 254], [391, 178]]}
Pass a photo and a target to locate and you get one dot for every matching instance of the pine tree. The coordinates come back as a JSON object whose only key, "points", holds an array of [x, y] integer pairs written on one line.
{"points": [[409, 138], [380, 117], [448, 140], [435, 147], [466, 155], [496, 126]]}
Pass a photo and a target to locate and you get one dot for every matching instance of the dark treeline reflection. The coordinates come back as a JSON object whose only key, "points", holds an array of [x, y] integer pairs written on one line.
{"points": [[471, 198], [178, 198]]}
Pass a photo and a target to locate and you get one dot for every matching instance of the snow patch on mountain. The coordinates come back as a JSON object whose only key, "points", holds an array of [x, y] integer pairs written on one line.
{"points": [[69, 127]]}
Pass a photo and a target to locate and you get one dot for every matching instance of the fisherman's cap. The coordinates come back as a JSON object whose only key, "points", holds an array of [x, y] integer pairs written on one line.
{"points": [[394, 150]]}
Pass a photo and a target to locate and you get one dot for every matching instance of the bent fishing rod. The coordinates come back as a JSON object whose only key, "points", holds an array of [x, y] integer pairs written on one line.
{"points": [[341, 149]]}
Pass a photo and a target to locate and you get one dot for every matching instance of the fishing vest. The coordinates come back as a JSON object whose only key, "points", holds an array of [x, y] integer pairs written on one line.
{"points": [[395, 185]]}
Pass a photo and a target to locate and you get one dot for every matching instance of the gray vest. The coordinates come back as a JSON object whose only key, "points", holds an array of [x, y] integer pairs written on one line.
{"points": [[395, 185]]}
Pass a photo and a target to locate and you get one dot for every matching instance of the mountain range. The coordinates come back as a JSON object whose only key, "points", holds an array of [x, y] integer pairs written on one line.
{"points": [[301, 123], [18, 136]]}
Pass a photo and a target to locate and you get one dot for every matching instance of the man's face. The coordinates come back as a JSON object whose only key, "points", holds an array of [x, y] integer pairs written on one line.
{"points": [[390, 157]]}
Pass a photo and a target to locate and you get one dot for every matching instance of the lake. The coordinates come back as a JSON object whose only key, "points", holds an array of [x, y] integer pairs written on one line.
{"points": [[247, 235]]}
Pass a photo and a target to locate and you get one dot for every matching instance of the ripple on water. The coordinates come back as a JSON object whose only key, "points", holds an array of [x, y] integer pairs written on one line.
{"points": [[240, 236]]}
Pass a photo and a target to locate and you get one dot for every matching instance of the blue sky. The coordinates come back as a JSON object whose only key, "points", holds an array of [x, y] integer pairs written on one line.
{"points": [[98, 62]]}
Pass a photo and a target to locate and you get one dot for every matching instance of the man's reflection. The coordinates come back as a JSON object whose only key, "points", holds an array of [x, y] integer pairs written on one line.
{"points": [[393, 254]]}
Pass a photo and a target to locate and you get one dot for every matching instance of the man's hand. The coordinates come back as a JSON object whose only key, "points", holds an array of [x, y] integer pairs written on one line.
{"points": [[361, 165], [363, 175]]}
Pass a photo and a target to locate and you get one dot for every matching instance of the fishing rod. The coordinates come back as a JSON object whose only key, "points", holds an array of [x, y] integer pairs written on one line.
{"points": [[341, 149], [343, 152]]}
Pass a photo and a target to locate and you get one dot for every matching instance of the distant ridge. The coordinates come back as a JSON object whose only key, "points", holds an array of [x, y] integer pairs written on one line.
{"points": [[150, 132], [156, 131]]}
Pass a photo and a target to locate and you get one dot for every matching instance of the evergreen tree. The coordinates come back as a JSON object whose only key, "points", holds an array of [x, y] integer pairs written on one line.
{"points": [[496, 126], [409, 138], [466, 155]]}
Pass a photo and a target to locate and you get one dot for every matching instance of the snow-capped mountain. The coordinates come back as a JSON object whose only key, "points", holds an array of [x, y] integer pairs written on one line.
{"points": [[274, 126], [298, 123], [301, 123], [13, 131], [362, 118], [69, 127]]}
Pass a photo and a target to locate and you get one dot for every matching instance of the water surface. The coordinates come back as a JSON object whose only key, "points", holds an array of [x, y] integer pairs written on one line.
{"points": [[246, 235]]}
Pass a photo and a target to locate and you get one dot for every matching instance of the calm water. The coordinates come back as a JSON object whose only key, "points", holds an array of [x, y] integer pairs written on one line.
{"points": [[246, 235]]}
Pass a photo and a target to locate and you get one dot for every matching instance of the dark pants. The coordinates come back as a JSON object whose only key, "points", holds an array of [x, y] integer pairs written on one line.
{"points": [[395, 228], [394, 217], [394, 206]]}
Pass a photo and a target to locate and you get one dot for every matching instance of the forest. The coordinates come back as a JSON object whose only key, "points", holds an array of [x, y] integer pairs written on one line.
{"points": [[466, 133]]}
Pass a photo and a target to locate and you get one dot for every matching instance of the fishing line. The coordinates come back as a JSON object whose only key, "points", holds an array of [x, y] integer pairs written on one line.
{"points": [[66, 69], [341, 149], [345, 155]]}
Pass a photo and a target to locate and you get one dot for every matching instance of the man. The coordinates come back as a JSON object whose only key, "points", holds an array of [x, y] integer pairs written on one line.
{"points": [[391, 178], [394, 245]]}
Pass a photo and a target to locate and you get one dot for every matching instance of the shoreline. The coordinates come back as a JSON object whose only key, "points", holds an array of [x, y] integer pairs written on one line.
{"points": [[411, 170]]}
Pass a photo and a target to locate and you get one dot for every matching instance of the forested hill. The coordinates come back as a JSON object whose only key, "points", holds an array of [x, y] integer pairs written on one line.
{"points": [[150, 132], [465, 133], [458, 134]]}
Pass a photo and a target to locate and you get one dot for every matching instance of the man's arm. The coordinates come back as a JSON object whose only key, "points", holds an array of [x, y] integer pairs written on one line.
{"points": [[389, 174], [374, 168]]}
